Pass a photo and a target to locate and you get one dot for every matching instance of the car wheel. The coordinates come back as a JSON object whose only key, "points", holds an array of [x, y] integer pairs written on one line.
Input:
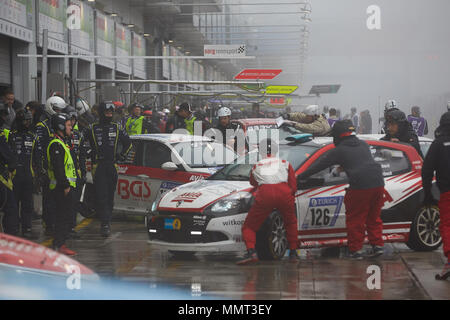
{"points": [[86, 208], [271, 239], [424, 234]]}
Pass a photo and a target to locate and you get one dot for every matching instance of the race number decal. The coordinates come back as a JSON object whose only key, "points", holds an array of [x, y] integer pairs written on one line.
{"points": [[322, 212]]}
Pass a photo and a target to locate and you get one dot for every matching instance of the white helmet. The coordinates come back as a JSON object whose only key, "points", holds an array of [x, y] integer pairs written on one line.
{"points": [[312, 110], [54, 103], [167, 111], [82, 107], [224, 112], [391, 104]]}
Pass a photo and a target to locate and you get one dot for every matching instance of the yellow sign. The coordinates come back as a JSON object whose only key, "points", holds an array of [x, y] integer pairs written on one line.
{"points": [[280, 89], [176, 224]]}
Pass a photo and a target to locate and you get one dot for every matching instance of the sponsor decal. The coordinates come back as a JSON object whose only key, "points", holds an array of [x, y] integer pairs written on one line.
{"points": [[233, 222], [122, 169], [137, 190], [196, 178], [172, 224], [187, 197]]}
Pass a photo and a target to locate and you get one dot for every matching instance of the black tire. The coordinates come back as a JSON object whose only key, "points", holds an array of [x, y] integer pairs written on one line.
{"points": [[271, 239], [86, 208], [424, 234]]}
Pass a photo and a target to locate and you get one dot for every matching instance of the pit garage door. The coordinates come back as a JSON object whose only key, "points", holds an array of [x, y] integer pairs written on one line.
{"points": [[5, 60]]}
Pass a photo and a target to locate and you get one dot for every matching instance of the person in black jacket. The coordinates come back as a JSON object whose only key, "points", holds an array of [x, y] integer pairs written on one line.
{"points": [[438, 160], [400, 130], [364, 197], [8, 164], [230, 133], [22, 142], [104, 139]]}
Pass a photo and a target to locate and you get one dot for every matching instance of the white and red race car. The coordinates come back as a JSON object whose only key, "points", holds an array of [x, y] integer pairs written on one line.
{"points": [[157, 164], [208, 215]]}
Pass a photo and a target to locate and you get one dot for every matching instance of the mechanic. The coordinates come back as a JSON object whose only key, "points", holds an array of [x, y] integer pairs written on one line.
{"points": [[419, 124], [8, 163], [74, 141], [310, 121], [189, 119], [62, 175], [438, 161], [274, 180], [364, 197], [44, 134], [234, 137], [151, 122], [104, 138], [22, 142], [134, 123], [400, 130], [175, 122]]}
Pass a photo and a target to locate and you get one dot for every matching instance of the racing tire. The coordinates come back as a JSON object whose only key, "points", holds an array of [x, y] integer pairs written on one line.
{"points": [[271, 239], [86, 208], [424, 233]]}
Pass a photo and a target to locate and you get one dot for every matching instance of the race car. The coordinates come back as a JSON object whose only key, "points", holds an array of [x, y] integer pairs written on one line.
{"points": [[208, 215], [157, 164]]}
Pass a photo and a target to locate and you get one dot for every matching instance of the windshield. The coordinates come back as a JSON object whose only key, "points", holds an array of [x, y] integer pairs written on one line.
{"points": [[240, 169], [205, 154], [256, 133]]}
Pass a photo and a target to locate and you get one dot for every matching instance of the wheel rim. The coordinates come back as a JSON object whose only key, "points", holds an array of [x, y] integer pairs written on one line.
{"points": [[428, 227], [279, 238]]}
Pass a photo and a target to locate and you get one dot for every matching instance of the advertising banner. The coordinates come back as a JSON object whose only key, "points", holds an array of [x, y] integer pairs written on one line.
{"points": [[123, 48], [16, 19], [82, 35], [224, 50], [53, 17], [139, 49], [105, 40]]}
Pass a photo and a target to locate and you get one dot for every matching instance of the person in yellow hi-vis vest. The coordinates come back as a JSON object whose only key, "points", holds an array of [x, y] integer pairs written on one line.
{"points": [[8, 163], [63, 177]]}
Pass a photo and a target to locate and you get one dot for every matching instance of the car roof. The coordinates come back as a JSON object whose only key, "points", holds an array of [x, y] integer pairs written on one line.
{"points": [[255, 121], [170, 138], [379, 136]]}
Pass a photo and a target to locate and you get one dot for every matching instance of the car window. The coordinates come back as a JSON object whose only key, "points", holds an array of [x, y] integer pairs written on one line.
{"points": [[131, 158], [332, 176], [393, 162], [155, 154]]}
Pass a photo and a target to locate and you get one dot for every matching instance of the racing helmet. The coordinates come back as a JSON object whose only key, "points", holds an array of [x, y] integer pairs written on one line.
{"points": [[224, 112], [312, 110], [81, 107], [55, 104], [58, 121], [342, 129], [391, 104], [71, 112], [396, 116]]}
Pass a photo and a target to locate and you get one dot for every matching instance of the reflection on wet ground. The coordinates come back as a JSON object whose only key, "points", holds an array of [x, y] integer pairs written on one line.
{"points": [[320, 274]]}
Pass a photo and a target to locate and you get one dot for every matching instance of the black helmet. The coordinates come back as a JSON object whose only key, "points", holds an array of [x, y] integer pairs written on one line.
{"points": [[445, 119], [71, 112], [106, 106], [341, 129], [396, 116], [185, 106], [58, 121]]}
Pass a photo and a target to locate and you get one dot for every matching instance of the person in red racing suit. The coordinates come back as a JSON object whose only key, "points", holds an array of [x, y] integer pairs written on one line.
{"points": [[438, 160], [365, 196], [276, 186]]}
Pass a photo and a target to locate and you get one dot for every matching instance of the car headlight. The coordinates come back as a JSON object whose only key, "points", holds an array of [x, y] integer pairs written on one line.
{"points": [[235, 203]]}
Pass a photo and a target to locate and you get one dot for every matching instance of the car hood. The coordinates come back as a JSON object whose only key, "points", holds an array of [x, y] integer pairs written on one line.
{"points": [[199, 194]]}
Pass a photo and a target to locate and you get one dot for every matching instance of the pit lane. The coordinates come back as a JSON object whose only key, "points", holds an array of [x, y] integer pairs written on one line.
{"points": [[320, 274]]}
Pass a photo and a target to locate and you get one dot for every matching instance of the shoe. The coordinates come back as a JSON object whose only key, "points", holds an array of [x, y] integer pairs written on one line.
{"points": [[250, 257], [105, 231], [64, 250], [293, 256], [375, 252], [445, 274], [73, 234], [357, 255]]}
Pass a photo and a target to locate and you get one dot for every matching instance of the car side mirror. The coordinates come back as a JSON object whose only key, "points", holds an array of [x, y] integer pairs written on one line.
{"points": [[309, 183], [169, 166]]}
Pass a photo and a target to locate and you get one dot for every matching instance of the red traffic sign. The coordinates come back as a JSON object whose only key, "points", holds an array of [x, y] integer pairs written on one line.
{"points": [[258, 74]]}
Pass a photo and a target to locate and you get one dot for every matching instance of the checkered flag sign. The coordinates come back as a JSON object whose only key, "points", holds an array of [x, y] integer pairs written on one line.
{"points": [[241, 49]]}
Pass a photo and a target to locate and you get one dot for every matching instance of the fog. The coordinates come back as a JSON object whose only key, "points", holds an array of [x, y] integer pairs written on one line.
{"points": [[407, 60]]}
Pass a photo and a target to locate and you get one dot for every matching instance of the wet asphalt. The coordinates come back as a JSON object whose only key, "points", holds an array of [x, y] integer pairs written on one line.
{"points": [[320, 273]]}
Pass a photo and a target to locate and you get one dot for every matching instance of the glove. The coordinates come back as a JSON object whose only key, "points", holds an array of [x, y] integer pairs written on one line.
{"points": [[429, 200]]}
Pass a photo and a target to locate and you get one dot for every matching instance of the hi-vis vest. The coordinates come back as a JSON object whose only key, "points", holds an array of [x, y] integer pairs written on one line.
{"points": [[68, 166], [134, 125], [6, 181], [190, 125]]}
